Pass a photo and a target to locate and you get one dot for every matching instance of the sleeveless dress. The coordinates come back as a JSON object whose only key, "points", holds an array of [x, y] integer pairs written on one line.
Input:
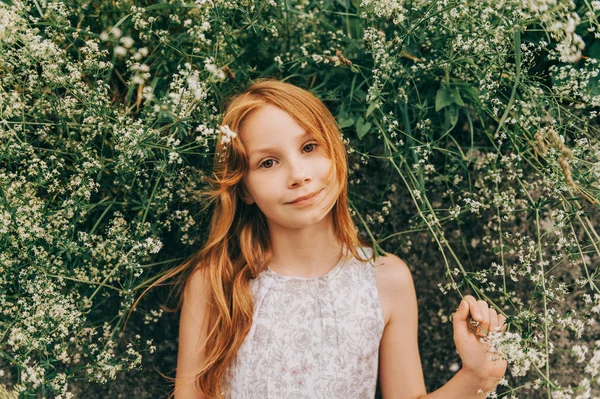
{"points": [[311, 337]]}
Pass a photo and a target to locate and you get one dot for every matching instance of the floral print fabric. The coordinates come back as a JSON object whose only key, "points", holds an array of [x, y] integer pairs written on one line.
{"points": [[315, 337]]}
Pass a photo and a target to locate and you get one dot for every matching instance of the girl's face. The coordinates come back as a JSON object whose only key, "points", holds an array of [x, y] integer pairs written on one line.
{"points": [[285, 165]]}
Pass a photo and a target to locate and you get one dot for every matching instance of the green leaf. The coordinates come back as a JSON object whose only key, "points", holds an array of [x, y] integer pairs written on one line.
{"points": [[344, 123], [344, 120], [362, 127], [446, 97], [457, 98], [370, 109], [472, 93], [451, 115], [443, 98]]}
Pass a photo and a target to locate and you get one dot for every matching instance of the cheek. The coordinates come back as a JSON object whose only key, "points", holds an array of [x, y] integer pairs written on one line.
{"points": [[259, 186], [247, 187], [327, 170]]}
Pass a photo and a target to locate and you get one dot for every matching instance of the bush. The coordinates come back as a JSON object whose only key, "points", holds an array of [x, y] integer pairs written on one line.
{"points": [[471, 126]]}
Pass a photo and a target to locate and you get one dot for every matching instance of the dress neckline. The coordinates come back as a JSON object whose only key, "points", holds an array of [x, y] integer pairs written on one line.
{"points": [[325, 277]]}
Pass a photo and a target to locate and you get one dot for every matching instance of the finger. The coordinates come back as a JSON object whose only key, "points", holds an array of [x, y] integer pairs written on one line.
{"points": [[493, 316], [461, 313], [459, 319], [485, 315], [473, 307], [474, 313], [502, 322]]}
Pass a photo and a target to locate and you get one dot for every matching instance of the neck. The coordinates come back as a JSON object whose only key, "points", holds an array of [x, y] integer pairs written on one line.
{"points": [[308, 252]]}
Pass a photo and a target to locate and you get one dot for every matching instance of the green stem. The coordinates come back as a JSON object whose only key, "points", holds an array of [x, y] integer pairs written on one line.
{"points": [[83, 281], [375, 244], [513, 94], [544, 297], [101, 217], [150, 200], [501, 243], [114, 269], [587, 273]]}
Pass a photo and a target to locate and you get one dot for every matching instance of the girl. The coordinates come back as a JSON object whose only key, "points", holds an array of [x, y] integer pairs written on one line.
{"points": [[285, 300]]}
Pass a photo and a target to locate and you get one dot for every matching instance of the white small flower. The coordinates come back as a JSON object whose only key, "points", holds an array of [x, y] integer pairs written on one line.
{"points": [[227, 134], [116, 32], [120, 51], [126, 41], [174, 157], [205, 26], [213, 69]]}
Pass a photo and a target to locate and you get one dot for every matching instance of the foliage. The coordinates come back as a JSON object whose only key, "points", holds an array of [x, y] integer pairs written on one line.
{"points": [[471, 124]]}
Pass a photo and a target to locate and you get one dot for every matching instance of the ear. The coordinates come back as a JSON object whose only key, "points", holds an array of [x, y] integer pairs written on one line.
{"points": [[245, 195]]}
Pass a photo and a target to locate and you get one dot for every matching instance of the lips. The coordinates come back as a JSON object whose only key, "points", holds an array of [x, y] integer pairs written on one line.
{"points": [[303, 198]]}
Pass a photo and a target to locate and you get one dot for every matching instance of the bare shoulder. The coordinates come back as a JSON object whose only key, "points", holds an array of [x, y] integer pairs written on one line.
{"points": [[196, 286], [394, 282], [195, 300], [391, 272]]}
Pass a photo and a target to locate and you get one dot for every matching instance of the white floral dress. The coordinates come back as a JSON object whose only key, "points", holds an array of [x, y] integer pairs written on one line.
{"points": [[315, 337]]}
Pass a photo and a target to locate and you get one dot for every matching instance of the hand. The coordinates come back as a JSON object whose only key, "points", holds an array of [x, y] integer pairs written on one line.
{"points": [[475, 354]]}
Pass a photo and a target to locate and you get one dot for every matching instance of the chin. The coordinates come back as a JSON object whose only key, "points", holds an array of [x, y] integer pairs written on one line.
{"points": [[298, 222], [316, 218]]}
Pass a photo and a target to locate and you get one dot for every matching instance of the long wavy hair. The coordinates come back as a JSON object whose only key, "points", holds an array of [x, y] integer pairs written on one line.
{"points": [[238, 247]]}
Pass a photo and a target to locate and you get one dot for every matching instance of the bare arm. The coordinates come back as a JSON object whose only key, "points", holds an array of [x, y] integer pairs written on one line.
{"points": [[192, 335], [400, 371], [464, 385]]}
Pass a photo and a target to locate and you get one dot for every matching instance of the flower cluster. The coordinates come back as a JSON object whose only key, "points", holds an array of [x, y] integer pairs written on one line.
{"points": [[471, 130], [227, 134]]}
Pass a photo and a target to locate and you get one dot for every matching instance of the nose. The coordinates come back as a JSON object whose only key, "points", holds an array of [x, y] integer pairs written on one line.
{"points": [[298, 173]]}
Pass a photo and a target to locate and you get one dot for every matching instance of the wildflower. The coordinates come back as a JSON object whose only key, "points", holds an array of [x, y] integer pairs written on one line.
{"points": [[116, 32], [213, 69], [227, 134], [579, 351], [126, 41], [120, 51]]}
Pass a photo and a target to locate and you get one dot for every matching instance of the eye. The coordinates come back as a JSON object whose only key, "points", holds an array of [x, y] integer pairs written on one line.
{"points": [[265, 164], [313, 146]]}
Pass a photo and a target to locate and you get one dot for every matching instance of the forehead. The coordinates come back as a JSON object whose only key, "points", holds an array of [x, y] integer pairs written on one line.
{"points": [[269, 126]]}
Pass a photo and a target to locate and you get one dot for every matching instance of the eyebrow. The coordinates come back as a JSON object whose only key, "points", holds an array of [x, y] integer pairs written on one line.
{"points": [[270, 149]]}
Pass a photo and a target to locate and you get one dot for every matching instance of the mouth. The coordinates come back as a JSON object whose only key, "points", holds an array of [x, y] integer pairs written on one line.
{"points": [[305, 198]]}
